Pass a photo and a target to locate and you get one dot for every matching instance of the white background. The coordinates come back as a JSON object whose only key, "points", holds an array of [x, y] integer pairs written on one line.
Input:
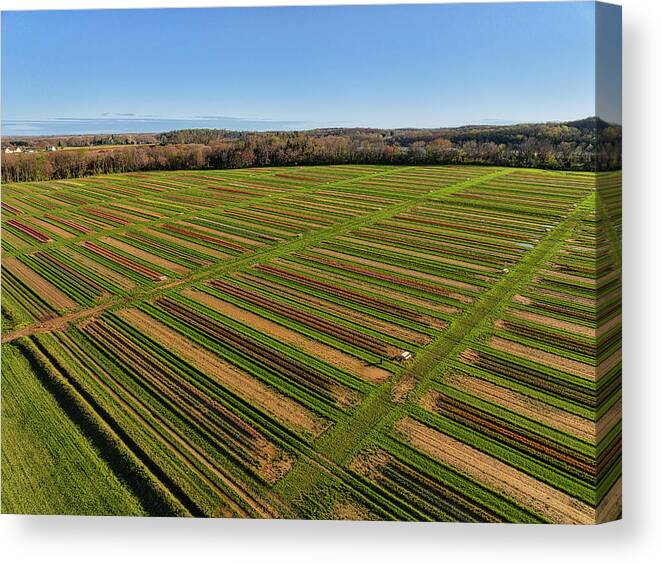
{"points": [[118, 540]]}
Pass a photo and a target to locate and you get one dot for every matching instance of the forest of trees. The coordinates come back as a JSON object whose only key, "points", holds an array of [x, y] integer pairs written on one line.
{"points": [[585, 145]]}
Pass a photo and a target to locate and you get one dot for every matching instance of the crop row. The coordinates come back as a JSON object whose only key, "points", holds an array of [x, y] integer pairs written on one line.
{"points": [[216, 455], [539, 390], [94, 237], [62, 233], [293, 372], [100, 203]]}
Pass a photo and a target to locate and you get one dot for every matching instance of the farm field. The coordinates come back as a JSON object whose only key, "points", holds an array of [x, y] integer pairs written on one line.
{"points": [[345, 342]]}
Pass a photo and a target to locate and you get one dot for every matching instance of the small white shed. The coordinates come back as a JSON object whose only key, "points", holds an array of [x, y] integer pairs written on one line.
{"points": [[404, 355]]}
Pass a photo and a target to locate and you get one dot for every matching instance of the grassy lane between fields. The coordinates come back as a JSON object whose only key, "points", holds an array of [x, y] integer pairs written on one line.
{"points": [[248, 259], [379, 410], [183, 216], [317, 461], [142, 292]]}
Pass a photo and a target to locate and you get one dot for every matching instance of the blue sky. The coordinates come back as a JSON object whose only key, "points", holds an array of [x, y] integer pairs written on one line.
{"points": [[295, 68]]}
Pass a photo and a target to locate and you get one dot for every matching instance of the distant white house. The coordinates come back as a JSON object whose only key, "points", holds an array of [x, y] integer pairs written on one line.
{"points": [[13, 150], [51, 148]]}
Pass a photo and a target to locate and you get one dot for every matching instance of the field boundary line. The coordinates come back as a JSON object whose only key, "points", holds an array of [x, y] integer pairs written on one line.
{"points": [[76, 314], [380, 395], [378, 409], [268, 253], [137, 227], [119, 176], [499, 296]]}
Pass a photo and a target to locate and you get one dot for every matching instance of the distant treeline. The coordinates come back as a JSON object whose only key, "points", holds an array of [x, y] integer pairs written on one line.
{"points": [[586, 145], [77, 140]]}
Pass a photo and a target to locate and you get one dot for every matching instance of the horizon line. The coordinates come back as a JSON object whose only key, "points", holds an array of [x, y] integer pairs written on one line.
{"points": [[495, 123]]}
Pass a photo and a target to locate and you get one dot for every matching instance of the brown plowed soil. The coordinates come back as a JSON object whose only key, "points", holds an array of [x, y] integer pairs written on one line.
{"points": [[609, 507], [37, 284], [272, 231], [553, 322], [611, 362], [403, 387], [608, 325], [604, 298], [291, 337], [139, 211], [283, 408], [360, 318], [555, 505], [567, 277], [295, 223], [387, 292], [400, 270], [121, 281], [428, 256], [318, 206], [220, 233], [542, 357], [54, 229], [350, 511], [608, 420], [565, 297], [144, 255], [523, 405], [188, 244]]}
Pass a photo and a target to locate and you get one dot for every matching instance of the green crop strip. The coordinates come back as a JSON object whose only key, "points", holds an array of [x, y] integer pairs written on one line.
{"points": [[291, 246], [505, 226], [377, 410], [186, 214]]}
